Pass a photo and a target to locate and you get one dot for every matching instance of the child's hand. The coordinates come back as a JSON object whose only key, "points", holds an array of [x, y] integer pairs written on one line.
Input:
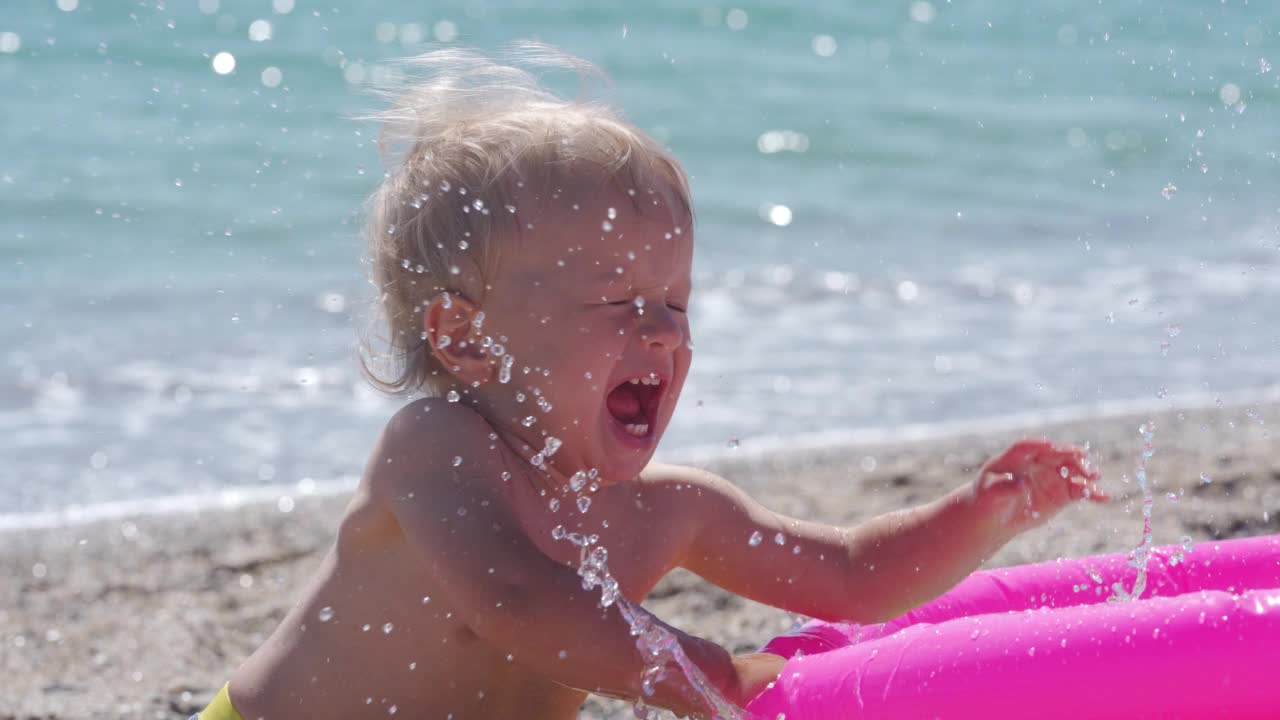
{"points": [[754, 673], [1034, 479]]}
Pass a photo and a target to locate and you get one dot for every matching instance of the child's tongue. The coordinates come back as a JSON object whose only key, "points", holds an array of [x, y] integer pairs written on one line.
{"points": [[623, 403]]}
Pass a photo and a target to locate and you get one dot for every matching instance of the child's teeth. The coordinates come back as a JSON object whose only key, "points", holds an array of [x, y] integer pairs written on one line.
{"points": [[637, 429], [635, 381]]}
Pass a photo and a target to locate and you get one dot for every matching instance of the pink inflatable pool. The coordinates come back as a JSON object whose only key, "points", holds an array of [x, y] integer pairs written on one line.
{"points": [[1041, 641]]}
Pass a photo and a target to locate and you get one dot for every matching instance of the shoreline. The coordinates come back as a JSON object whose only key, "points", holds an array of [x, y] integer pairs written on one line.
{"points": [[145, 615], [711, 456]]}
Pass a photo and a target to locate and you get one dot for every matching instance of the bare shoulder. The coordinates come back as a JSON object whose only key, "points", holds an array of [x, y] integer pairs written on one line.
{"points": [[663, 479], [685, 496], [429, 440]]}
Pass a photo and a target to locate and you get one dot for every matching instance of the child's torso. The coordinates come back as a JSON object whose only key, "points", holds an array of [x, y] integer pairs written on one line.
{"points": [[372, 632]]}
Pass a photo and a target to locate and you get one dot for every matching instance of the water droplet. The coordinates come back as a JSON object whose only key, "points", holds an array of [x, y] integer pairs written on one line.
{"points": [[224, 63], [386, 629], [612, 213], [1174, 329], [325, 614], [756, 538], [606, 226], [504, 372], [779, 539], [584, 503], [558, 532], [1205, 479], [1169, 191], [452, 396], [554, 505], [1172, 497], [733, 443], [426, 599], [457, 460], [462, 512], [528, 421]]}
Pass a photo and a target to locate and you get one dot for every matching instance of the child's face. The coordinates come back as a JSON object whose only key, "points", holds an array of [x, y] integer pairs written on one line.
{"points": [[590, 299]]}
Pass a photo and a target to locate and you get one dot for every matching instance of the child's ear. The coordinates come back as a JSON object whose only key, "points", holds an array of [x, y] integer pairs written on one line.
{"points": [[448, 320]]}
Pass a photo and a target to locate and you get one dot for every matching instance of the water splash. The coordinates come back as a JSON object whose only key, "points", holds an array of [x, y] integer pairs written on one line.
{"points": [[658, 646], [1138, 558]]}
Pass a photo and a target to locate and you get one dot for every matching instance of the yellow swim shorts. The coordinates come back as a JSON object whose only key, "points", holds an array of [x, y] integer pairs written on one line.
{"points": [[220, 709]]}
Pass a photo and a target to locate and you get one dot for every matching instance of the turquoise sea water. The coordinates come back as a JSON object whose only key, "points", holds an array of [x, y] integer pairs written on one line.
{"points": [[912, 213]]}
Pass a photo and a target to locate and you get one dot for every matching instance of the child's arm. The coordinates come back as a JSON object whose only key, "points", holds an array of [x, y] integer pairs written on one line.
{"points": [[885, 566], [506, 590]]}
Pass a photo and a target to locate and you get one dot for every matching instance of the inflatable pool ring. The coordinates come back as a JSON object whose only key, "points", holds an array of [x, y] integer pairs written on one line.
{"points": [[1042, 642]]}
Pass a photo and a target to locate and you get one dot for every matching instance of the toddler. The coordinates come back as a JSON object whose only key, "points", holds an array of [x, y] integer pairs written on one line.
{"points": [[532, 256]]}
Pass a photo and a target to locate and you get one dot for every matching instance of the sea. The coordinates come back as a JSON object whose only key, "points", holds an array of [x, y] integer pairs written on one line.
{"points": [[913, 217]]}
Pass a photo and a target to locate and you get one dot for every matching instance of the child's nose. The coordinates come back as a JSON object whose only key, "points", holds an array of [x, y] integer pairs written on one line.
{"points": [[662, 327]]}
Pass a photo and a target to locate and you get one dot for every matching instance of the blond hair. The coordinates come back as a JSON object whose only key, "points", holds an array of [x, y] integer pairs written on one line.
{"points": [[462, 136]]}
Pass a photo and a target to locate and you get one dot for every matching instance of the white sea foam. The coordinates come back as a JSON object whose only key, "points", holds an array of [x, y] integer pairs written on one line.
{"points": [[227, 499], [752, 447]]}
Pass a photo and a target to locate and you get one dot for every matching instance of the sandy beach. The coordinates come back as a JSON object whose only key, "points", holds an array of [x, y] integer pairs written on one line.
{"points": [[146, 616]]}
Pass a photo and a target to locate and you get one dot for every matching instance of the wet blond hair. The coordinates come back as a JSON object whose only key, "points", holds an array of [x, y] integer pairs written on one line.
{"points": [[461, 137]]}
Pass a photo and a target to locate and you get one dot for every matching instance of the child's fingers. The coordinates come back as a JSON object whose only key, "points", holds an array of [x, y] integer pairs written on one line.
{"points": [[1083, 489], [1076, 461], [1077, 488], [1019, 455]]}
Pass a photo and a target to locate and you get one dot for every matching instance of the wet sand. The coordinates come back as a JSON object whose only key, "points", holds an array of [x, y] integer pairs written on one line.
{"points": [[146, 616]]}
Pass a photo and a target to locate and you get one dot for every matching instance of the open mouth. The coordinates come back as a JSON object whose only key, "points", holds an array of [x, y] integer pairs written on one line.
{"points": [[634, 404]]}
